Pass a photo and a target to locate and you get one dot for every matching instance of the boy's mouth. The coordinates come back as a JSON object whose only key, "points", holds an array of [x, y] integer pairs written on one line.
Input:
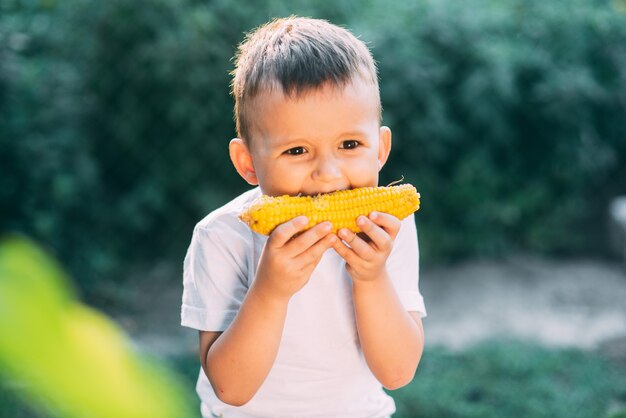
{"points": [[324, 192]]}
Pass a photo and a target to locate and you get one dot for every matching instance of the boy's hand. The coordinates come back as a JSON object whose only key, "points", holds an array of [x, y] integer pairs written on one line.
{"points": [[366, 256], [288, 259]]}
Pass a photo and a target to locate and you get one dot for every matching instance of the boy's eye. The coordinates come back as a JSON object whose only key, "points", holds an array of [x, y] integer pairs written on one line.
{"points": [[350, 144], [295, 151]]}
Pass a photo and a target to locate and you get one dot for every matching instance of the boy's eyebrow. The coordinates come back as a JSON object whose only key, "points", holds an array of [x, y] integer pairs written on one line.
{"points": [[353, 133], [287, 141]]}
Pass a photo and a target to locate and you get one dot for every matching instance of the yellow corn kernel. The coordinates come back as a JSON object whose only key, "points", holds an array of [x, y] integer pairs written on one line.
{"points": [[341, 208]]}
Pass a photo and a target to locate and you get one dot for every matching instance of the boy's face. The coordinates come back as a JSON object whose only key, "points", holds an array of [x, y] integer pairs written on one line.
{"points": [[326, 140]]}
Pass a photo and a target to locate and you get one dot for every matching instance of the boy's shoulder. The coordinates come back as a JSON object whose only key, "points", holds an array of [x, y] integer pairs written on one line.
{"points": [[226, 217]]}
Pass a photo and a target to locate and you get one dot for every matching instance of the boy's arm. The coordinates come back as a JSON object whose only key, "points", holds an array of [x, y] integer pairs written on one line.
{"points": [[392, 339], [238, 360]]}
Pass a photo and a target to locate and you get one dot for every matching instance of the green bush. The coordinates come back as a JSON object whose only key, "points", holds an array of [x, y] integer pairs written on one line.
{"points": [[115, 122], [511, 378], [509, 118], [115, 118], [46, 173]]}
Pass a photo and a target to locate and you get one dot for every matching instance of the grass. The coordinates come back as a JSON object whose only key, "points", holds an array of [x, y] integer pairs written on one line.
{"points": [[499, 379], [495, 379]]}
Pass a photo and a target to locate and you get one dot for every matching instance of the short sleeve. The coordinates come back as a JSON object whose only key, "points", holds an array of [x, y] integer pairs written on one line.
{"points": [[214, 276], [403, 267]]}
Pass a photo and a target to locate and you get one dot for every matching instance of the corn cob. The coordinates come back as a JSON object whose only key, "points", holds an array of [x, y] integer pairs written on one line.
{"points": [[341, 208]]}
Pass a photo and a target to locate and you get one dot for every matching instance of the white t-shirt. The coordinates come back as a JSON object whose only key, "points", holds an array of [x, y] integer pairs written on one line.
{"points": [[319, 370]]}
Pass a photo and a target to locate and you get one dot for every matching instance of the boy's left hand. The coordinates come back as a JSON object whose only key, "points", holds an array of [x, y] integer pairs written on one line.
{"points": [[366, 255]]}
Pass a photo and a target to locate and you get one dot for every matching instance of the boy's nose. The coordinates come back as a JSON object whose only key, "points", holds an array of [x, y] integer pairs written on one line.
{"points": [[326, 170]]}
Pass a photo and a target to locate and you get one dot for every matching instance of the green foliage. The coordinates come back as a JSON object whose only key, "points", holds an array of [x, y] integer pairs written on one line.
{"points": [[115, 118], [494, 379], [499, 379], [46, 172], [69, 358], [115, 122], [509, 118]]}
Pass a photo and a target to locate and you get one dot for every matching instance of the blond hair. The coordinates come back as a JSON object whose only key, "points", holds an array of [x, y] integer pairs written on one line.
{"points": [[296, 55]]}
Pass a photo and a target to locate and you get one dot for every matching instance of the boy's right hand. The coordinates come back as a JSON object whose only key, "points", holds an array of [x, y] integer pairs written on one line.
{"points": [[288, 259]]}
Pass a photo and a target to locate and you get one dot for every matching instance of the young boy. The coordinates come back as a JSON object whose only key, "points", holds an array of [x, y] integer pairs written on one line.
{"points": [[304, 324]]}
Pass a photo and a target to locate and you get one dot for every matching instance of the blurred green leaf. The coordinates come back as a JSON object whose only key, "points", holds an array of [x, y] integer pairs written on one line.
{"points": [[70, 357]]}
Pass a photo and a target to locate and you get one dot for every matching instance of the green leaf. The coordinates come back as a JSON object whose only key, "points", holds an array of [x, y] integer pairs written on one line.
{"points": [[69, 356]]}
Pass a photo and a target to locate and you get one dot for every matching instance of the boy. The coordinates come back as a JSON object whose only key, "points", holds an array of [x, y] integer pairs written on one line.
{"points": [[304, 324]]}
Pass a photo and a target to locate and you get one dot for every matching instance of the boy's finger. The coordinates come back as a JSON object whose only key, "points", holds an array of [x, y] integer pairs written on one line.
{"points": [[388, 222], [285, 231], [379, 236], [314, 253], [358, 244], [304, 241], [342, 248], [345, 252]]}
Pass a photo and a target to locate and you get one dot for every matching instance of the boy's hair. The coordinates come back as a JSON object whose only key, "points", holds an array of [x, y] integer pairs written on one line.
{"points": [[297, 55]]}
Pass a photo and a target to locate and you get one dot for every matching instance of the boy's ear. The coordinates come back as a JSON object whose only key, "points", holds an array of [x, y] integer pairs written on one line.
{"points": [[384, 146], [242, 160]]}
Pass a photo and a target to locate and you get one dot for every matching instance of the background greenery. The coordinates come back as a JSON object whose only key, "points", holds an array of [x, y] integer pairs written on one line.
{"points": [[115, 118], [507, 115], [495, 379]]}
